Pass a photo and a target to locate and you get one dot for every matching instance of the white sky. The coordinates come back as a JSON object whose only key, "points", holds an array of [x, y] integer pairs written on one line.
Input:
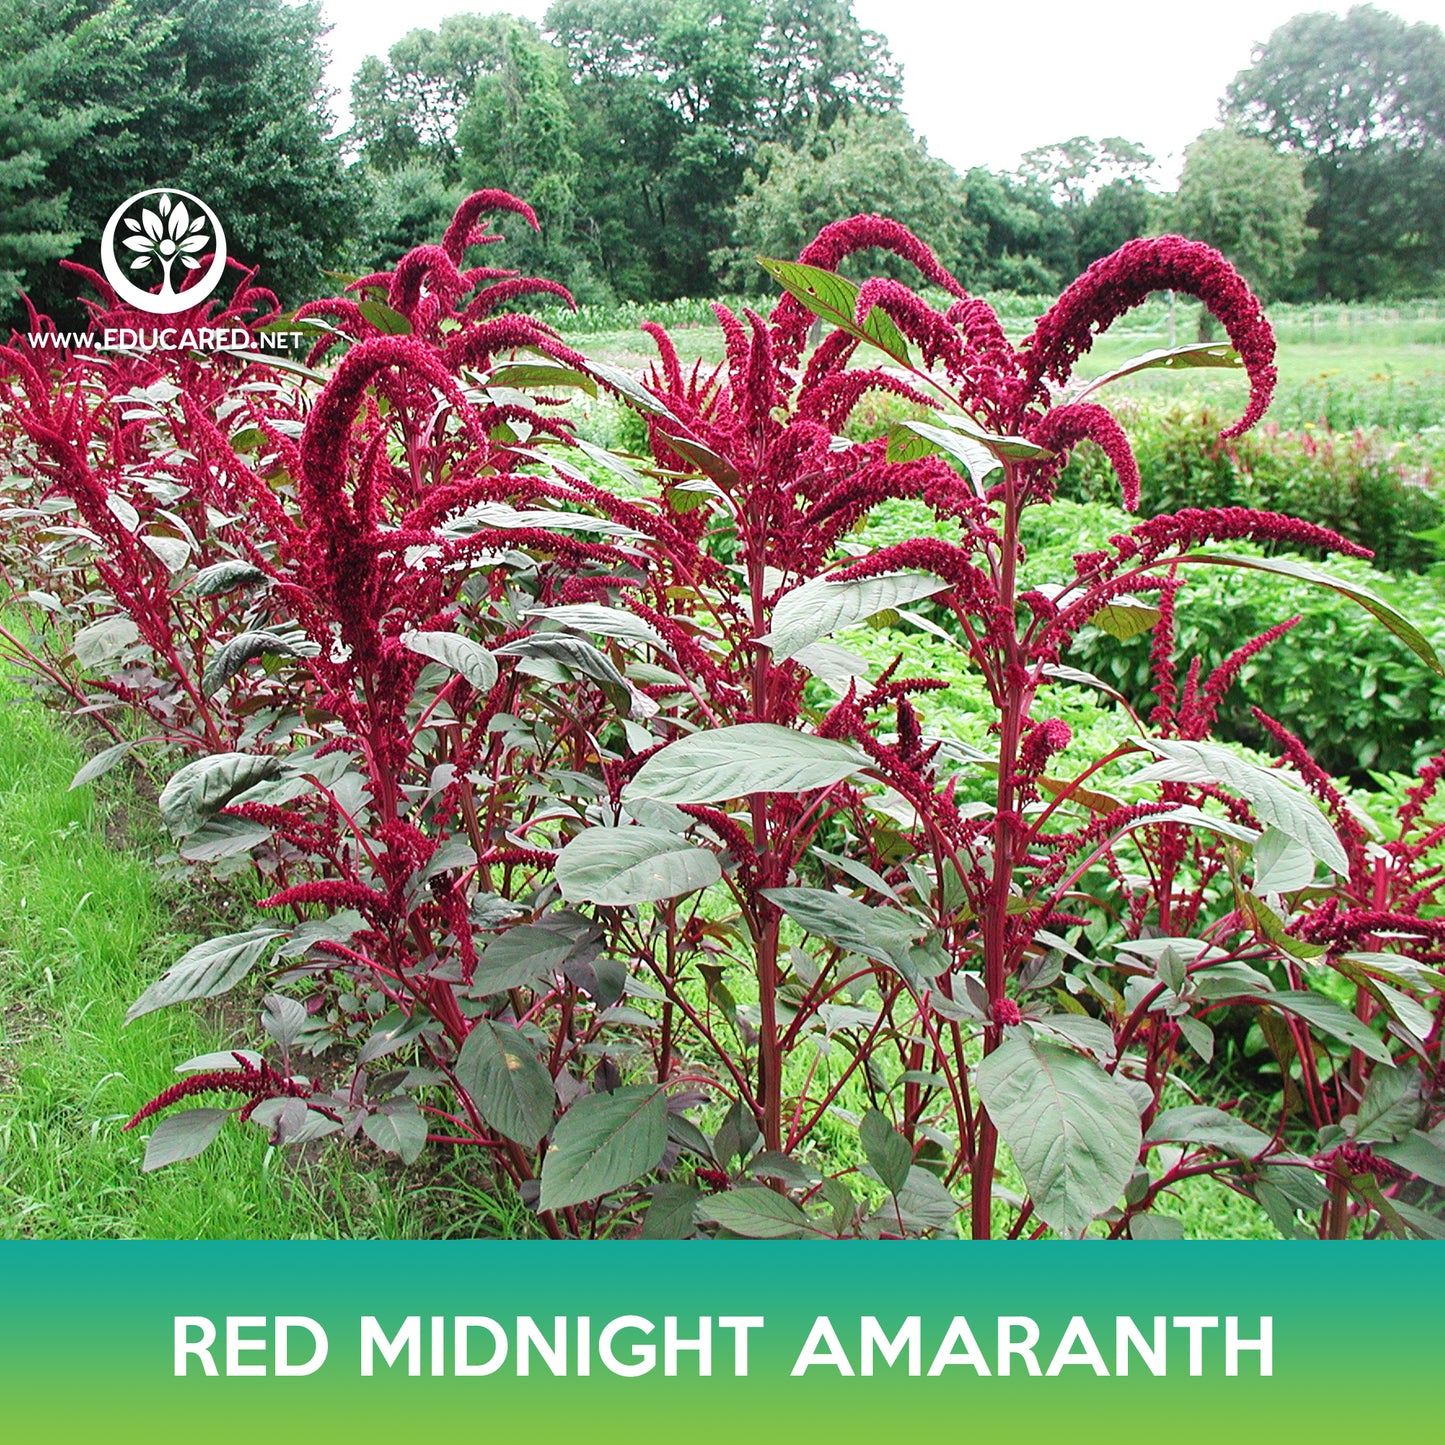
{"points": [[986, 82]]}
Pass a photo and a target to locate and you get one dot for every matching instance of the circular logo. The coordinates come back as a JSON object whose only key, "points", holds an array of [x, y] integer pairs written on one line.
{"points": [[161, 235]]}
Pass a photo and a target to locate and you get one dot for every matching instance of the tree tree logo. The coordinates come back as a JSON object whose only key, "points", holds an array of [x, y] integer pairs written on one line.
{"points": [[156, 230]]}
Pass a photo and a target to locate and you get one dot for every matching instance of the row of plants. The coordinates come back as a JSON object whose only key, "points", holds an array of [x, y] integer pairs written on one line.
{"points": [[595, 853], [1375, 488]]}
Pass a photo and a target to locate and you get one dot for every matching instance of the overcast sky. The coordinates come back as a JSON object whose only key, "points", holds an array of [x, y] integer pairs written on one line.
{"points": [[986, 82]]}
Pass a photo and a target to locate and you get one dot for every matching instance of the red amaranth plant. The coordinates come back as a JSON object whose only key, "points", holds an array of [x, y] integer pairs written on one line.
{"points": [[587, 829]]}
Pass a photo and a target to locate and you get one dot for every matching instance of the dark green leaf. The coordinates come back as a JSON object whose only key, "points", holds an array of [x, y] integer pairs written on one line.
{"points": [[101, 763], [182, 1136], [202, 788], [1201, 1124], [603, 1142], [628, 388], [707, 461], [1276, 801], [232, 656], [732, 762], [208, 969], [501, 1073], [223, 577], [835, 299], [1333, 1019], [1418, 1152], [1073, 1129], [1392, 619], [526, 953], [620, 866], [670, 1215], [461, 654], [546, 375], [397, 1127], [381, 316], [819, 607], [888, 1151], [1199, 354], [754, 1213]]}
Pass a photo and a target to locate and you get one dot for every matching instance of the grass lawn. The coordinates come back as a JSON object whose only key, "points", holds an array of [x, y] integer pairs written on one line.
{"points": [[84, 926], [1374, 372]]}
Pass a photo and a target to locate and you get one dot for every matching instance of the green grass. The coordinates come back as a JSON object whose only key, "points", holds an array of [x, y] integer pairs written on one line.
{"points": [[83, 928], [1342, 367]]}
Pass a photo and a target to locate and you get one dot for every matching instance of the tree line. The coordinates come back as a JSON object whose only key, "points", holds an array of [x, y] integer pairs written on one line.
{"points": [[665, 145]]}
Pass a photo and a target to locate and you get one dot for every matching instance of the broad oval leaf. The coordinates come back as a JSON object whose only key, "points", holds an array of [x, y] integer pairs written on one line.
{"points": [[909, 440], [1202, 1124], [1125, 617], [883, 934], [202, 788], [499, 1069], [387, 321], [103, 640], [206, 970], [888, 1151], [546, 374], [102, 763], [1073, 1129], [755, 1213], [603, 1142], [182, 1136], [835, 299], [173, 552], [628, 388], [461, 654], [620, 866], [819, 607], [1331, 1018], [1197, 354], [603, 621], [528, 952], [733, 762], [397, 1127], [1277, 802]]}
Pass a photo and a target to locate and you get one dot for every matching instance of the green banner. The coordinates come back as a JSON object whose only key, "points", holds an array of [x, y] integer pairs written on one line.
{"points": [[636, 1342]]}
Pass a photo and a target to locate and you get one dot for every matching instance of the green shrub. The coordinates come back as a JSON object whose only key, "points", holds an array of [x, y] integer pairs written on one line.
{"points": [[1372, 489], [1356, 696]]}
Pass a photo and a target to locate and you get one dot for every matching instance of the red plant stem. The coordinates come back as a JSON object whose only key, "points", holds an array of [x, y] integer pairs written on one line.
{"points": [[1015, 702]]}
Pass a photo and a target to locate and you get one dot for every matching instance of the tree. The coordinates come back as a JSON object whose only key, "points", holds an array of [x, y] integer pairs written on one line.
{"points": [[861, 163], [1100, 189], [1248, 200], [1027, 241], [409, 106], [408, 206], [1362, 100], [1073, 170], [671, 103], [518, 134], [224, 100], [60, 64]]}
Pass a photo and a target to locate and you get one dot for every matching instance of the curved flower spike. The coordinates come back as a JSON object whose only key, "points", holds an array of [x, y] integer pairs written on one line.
{"points": [[1065, 427], [1118, 283], [459, 234]]}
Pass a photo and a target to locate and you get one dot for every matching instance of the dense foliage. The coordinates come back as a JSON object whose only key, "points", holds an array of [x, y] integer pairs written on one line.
{"points": [[221, 100], [665, 146], [1361, 99], [592, 853]]}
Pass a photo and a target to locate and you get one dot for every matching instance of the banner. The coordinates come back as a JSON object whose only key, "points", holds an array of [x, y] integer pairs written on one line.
{"points": [[753, 1342]]}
